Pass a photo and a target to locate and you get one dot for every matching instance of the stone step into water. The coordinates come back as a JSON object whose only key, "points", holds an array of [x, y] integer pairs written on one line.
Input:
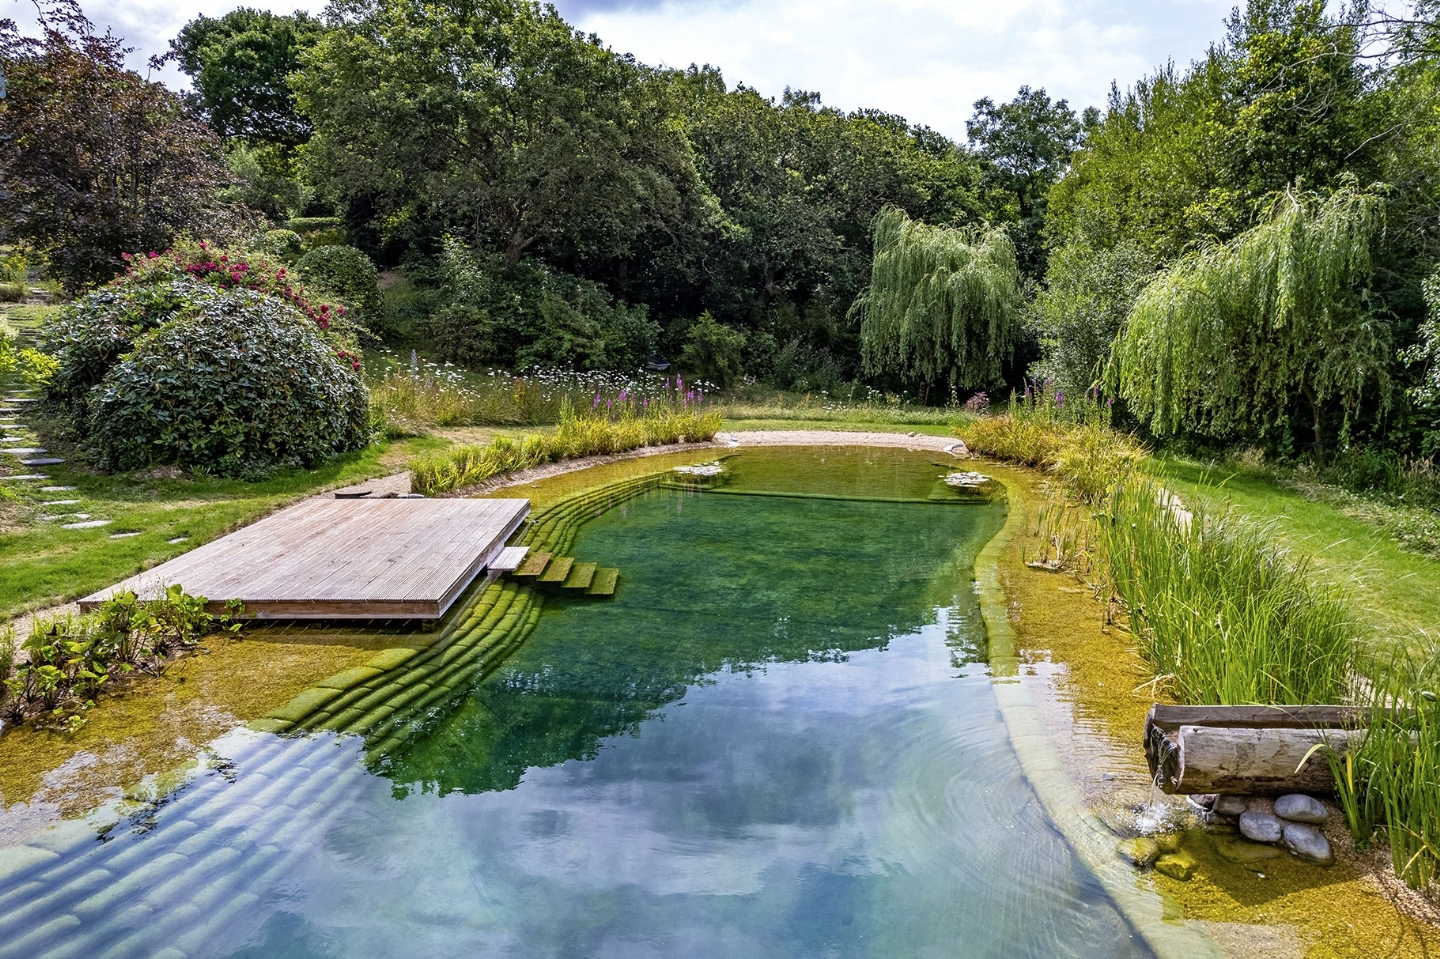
{"points": [[604, 582], [533, 566], [580, 578], [557, 571]]}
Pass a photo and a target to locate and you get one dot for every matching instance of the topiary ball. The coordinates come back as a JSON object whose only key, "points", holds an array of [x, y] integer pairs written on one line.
{"points": [[346, 273], [241, 385]]}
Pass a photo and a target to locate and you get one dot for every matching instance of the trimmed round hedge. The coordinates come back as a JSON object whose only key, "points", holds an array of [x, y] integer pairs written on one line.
{"points": [[238, 385], [346, 273]]}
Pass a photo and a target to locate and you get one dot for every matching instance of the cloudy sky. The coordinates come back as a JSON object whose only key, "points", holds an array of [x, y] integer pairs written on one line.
{"points": [[928, 60]]}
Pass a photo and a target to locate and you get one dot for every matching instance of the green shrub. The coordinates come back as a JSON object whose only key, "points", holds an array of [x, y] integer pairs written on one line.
{"points": [[12, 292], [532, 316], [282, 244], [714, 351], [237, 386], [347, 274], [310, 224]]}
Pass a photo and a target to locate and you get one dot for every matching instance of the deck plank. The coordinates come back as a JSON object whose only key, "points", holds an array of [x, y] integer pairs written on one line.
{"points": [[343, 558]]}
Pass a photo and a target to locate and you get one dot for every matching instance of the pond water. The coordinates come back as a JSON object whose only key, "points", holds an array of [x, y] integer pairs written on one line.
{"points": [[778, 739]]}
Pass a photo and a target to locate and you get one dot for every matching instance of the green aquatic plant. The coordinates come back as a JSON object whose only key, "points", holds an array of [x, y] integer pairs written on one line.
{"points": [[68, 659], [596, 432], [1221, 610]]}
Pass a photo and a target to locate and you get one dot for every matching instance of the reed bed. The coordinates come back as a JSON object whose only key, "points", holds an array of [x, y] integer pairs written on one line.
{"points": [[594, 432], [1390, 784], [1222, 612], [1225, 614]]}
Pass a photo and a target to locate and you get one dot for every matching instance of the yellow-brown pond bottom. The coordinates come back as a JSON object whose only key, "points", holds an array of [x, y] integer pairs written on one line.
{"points": [[1096, 710]]}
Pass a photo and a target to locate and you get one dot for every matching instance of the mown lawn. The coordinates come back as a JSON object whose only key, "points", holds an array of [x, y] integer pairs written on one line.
{"points": [[1398, 591]]}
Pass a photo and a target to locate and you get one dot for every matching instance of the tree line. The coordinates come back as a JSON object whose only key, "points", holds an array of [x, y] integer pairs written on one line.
{"points": [[1234, 251]]}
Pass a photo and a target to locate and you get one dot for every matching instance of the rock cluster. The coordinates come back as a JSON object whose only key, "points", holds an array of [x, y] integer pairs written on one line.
{"points": [[1291, 822]]}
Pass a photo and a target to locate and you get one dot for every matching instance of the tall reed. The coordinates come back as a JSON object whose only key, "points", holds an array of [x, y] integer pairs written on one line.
{"points": [[1224, 613], [597, 431]]}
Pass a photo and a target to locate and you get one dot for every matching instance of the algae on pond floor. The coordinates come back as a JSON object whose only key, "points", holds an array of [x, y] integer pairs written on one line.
{"points": [[150, 724]]}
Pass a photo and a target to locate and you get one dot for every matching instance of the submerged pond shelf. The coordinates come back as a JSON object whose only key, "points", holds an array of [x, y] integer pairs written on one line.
{"points": [[343, 559]]}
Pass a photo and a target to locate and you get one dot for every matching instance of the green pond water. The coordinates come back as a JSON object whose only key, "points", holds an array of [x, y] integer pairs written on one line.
{"points": [[778, 739]]}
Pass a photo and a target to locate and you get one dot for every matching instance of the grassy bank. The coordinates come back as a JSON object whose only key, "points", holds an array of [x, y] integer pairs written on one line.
{"points": [[1248, 593], [167, 512], [586, 434]]}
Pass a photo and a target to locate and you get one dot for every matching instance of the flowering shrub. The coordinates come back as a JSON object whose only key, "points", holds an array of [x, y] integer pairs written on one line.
{"points": [[238, 385]]}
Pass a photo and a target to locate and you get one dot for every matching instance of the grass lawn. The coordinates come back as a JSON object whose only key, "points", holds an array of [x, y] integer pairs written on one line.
{"points": [[1398, 591], [44, 564]]}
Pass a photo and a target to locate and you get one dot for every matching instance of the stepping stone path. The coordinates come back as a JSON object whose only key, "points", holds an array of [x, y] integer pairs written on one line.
{"points": [[66, 516], [61, 502], [56, 489], [88, 524], [43, 461], [25, 450], [125, 535], [23, 476]]}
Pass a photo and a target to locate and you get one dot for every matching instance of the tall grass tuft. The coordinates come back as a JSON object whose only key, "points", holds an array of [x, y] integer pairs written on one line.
{"points": [[598, 431], [1072, 442], [1223, 612], [1391, 781]]}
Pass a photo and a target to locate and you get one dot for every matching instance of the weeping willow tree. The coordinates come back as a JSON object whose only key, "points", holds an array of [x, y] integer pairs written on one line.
{"points": [[1231, 340], [943, 304]]}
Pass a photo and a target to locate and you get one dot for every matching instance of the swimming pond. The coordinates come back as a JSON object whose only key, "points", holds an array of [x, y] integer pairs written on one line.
{"points": [[780, 738]]}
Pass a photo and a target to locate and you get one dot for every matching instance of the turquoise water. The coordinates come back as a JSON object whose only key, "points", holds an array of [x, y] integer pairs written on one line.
{"points": [[779, 739]]}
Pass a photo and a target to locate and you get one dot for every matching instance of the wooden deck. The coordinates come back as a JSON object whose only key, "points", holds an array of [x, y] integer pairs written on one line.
{"points": [[343, 559]]}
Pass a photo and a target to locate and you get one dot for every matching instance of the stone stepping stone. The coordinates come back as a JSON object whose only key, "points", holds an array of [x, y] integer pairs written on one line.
{"points": [[177, 539], [125, 535], [23, 476], [56, 516], [24, 450], [21, 399], [61, 502], [56, 489], [88, 524], [43, 461]]}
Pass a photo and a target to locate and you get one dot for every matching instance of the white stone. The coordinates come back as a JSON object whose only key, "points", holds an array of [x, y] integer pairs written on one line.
{"points": [[88, 524], [1308, 844], [1298, 807], [1260, 827]]}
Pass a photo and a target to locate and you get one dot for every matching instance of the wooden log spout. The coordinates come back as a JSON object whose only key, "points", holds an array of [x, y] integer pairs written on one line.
{"points": [[1257, 750]]}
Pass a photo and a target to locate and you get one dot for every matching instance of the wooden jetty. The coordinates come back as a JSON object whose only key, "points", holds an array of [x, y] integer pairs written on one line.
{"points": [[345, 559]]}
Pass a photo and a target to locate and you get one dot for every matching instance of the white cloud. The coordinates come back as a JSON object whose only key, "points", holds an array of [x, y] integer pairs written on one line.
{"points": [[927, 60]]}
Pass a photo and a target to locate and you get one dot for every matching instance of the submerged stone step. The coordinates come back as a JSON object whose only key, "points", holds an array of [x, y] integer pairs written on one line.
{"points": [[604, 582], [581, 576], [533, 566], [557, 571]]}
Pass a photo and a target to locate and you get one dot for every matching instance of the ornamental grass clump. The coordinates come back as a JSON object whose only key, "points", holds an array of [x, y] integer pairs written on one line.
{"points": [[1390, 783], [1222, 612], [595, 432]]}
